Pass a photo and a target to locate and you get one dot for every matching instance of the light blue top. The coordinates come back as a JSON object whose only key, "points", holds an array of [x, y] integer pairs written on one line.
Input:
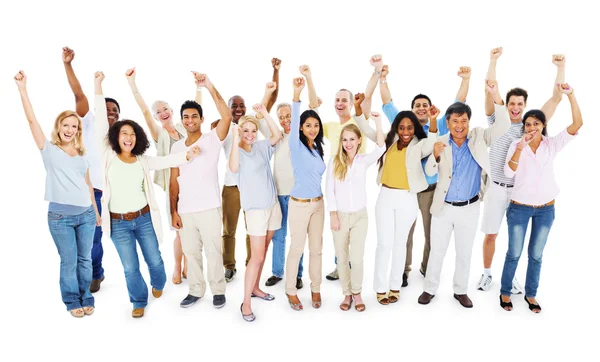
{"points": [[466, 173], [307, 164], [65, 177], [256, 183], [390, 111]]}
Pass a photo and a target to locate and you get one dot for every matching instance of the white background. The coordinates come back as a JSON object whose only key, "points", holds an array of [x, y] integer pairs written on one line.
{"points": [[233, 42]]}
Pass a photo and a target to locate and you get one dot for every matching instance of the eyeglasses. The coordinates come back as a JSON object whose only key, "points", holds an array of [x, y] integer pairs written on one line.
{"points": [[288, 117]]}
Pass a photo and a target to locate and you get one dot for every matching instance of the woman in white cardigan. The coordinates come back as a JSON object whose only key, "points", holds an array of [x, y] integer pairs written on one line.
{"points": [[164, 137], [129, 197], [401, 177]]}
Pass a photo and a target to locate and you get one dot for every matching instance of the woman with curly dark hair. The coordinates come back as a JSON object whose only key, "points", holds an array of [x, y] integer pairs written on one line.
{"points": [[129, 197]]}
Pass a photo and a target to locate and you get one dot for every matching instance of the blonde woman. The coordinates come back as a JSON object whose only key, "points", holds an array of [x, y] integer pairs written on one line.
{"points": [[164, 137], [251, 159], [72, 212], [347, 200]]}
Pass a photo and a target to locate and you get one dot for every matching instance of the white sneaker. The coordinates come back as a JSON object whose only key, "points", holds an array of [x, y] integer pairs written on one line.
{"points": [[485, 283], [516, 287]]}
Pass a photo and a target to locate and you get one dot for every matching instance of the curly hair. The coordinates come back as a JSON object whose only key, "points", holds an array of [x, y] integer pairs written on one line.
{"points": [[141, 140]]}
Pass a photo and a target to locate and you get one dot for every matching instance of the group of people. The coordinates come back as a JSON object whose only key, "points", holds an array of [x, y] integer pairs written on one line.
{"points": [[434, 165]]}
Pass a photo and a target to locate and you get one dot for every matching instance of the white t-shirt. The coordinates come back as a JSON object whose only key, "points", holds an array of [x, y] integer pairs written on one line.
{"points": [[199, 179], [91, 150]]}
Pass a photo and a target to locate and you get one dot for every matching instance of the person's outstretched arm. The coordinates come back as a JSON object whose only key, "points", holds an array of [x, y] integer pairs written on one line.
{"points": [[34, 126], [82, 105]]}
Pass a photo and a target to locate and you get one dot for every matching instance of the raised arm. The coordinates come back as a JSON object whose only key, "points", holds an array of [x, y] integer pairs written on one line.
{"points": [[465, 74], [234, 155], [575, 111], [377, 64], [34, 126], [276, 63], [101, 114], [82, 105], [198, 97], [384, 90], [174, 198], [313, 100], [263, 126], [225, 122], [298, 84], [491, 77], [372, 157], [550, 106], [502, 122], [130, 74], [275, 132], [360, 119]]}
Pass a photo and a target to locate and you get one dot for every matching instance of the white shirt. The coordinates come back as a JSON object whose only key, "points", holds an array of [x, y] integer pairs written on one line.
{"points": [[350, 195], [91, 150], [282, 166], [231, 179]]}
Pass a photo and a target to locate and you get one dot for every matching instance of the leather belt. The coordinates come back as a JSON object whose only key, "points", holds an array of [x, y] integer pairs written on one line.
{"points": [[314, 199], [534, 206], [503, 184], [463, 203], [130, 215]]}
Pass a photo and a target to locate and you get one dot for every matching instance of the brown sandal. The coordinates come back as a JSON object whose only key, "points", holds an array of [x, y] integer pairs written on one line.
{"points": [[383, 299], [394, 296], [359, 307], [346, 306]]}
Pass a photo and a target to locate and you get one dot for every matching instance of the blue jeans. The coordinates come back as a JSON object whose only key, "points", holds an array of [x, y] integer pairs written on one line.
{"points": [[73, 238], [124, 234], [279, 241], [517, 217], [97, 252]]}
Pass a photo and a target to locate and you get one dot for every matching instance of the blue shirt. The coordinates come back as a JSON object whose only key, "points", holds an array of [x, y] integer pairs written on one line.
{"points": [[466, 173], [307, 164], [391, 112]]}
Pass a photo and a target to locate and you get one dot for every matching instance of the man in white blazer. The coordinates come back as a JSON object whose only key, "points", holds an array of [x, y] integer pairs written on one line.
{"points": [[459, 158]]}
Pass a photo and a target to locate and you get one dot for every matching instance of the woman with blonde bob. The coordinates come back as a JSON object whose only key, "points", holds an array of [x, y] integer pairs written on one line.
{"points": [[72, 212], [251, 159], [347, 200]]}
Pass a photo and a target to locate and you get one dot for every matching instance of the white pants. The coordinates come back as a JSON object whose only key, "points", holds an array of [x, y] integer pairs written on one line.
{"points": [[463, 220], [395, 212], [495, 203]]}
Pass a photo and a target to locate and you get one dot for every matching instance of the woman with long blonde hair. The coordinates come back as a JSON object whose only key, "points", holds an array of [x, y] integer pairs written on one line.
{"points": [[72, 212], [347, 201]]}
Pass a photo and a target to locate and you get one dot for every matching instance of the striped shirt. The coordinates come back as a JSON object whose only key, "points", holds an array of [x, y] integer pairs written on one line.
{"points": [[499, 148]]}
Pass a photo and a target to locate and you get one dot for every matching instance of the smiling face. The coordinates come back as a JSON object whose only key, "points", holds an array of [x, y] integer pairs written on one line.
{"points": [[310, 128], [67, 130], [284, 114], [248, 132], [237, 107], [350, 142], [163, 113], [406, 131], [516, 105], [534, 127], [191, 120], [112, 111], [459, 127], [343, 103], [126, 138], [421, 110]]}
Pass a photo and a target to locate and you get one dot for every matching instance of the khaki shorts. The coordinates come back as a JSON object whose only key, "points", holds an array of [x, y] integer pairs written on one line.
{"points": [[495, 203], [259, 221]]}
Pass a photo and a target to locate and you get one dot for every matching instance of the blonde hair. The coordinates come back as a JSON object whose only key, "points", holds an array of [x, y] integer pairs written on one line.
{"points": [[77, 140], [340, 161], [245, 119]]}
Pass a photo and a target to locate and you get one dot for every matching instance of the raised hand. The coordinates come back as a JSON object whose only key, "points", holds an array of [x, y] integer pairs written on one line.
{"points": [[193, 152], [130, 74], [305, 70], [464, 72], [376, 117], [98, 77], [385, 70], [491, 86], [495, 53], [236, 133], [559, 60], [377, 62], [260, 108], [564, 88], [434, 112], [298, 84], [270, 87], [438, 148], [21, 79], [201, 79], [276, 63], [319, 102], [358, 99], [67, 55]]}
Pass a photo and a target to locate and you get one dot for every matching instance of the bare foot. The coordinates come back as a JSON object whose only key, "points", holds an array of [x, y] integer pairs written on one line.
{"points": [[176, 276]]}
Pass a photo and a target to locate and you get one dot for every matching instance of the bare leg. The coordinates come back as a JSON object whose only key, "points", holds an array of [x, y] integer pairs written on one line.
{"points": [[252, 270], [489, 248], [256, 289], [178, 253]]}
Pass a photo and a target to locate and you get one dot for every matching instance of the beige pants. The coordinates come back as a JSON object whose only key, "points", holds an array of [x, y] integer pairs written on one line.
{"points": [[305, 218], [203, 229], [352, 236]]}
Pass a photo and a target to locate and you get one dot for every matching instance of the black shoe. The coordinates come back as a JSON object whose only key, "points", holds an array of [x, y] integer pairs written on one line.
{"points": [[404, 280], [535, 308], [299, 283], [219, 301], [505, 305], [229, 274], [188, 301], [422, 272], [272, 281]]}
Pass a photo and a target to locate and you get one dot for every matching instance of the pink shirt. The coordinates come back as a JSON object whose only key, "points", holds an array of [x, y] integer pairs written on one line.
{"points": [[535, 183], [198, 179], [350, 195]]}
